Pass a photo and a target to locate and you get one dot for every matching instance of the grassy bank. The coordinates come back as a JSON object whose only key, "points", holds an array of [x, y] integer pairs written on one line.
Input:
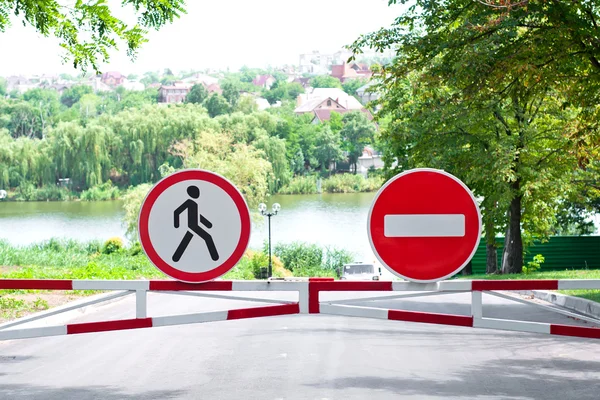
{"points": [[341, 183], [59, 259], [593, 295], [29, 192]]}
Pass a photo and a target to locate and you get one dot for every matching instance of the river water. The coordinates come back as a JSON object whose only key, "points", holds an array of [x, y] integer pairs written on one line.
{"points": [[338, 220]]}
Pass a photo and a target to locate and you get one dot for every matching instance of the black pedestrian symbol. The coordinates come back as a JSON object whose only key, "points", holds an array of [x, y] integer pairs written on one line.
{"points": [[193, 217]]}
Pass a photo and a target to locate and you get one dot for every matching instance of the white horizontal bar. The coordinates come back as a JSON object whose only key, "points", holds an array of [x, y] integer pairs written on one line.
{"points": [[424, 225], [564, 284], [450, 286], [110, 285], [354, 311], [227, 297], [393, 297], [190, 318], [267, 286], [406, 286], [33, 332], [456, 285], [510, 325]]}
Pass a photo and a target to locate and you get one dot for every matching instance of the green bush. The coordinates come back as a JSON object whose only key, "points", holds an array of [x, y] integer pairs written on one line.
{"points": [[105, 191], [305, 259], [300, 185], [135, 249], [350, 183], [534, 265], [28, 192], [112, 245]]}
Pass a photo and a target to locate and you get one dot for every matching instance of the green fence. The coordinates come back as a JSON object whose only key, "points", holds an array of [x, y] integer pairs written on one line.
{"points": [[560, 252]]}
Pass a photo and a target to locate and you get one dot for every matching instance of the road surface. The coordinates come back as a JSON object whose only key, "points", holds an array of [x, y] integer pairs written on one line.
{"points": [[303, 357]]}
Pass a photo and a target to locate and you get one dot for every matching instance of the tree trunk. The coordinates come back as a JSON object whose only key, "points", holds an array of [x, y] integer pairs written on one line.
{"points": [[512, 255], [468, 269], [491, 263]]}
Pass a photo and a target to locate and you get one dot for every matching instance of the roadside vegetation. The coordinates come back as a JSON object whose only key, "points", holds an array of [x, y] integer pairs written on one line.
{"points": [[68, 259]]}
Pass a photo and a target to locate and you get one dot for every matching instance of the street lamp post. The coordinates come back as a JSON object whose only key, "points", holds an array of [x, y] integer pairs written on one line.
{"points": [[262, 207]]}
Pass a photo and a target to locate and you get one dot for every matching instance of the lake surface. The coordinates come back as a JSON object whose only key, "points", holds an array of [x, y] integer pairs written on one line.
{"points": [[338, 220]]}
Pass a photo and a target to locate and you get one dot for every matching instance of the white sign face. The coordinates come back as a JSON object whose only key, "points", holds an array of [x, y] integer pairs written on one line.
{"points": [[215, 206], [194, 225]]}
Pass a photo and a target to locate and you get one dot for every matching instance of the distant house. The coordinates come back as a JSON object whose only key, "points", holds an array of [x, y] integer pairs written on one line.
{"points": [[98, 85], [305, 82], [204, 79], [213, 88], [175, 93], [133, 85], [366, 94], [264, 81], [323, 101], [345, 71], [19, 83], [112, 78]]}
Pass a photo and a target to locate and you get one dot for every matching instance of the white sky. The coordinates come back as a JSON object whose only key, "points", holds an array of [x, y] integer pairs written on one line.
{"points": [[218, 34]]}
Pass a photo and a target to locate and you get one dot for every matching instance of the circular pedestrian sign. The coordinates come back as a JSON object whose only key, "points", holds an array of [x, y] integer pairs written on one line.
{"points": [[424, 225], [194, 225]]}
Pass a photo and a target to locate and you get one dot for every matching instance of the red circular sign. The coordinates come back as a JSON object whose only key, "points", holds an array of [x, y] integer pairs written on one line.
{"points": [[194, 225], [424, 225]]}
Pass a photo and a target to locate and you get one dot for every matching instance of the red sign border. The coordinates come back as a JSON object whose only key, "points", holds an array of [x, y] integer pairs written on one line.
{"points": [[392, 180], [164, 184]]}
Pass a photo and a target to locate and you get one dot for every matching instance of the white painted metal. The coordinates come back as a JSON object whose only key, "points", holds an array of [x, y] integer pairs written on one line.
{"points": [[141, 304], [354, 311], [458, 285], [63, 309], [510, 325], [406, 286], [476, 304], [268, 286], [579, 284], [546, 307], [303, 299], [110, 285], [226, 297], [424, 225], [190, 318], [33, 332], [394, 297]]}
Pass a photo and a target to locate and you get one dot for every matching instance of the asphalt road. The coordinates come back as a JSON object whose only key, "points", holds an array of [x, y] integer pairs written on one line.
{"points": [[303, 357]]}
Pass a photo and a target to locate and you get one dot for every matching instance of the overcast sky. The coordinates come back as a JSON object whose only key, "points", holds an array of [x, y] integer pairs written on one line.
{"points": [[218, 34]]}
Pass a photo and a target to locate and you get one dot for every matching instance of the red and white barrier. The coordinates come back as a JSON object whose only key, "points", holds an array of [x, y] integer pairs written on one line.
{"points": [[309, 302]]}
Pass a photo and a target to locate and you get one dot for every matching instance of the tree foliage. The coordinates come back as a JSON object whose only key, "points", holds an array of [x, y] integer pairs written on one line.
{"points": [[87, 31], [504, 97], [197, 94], [325, 81]]}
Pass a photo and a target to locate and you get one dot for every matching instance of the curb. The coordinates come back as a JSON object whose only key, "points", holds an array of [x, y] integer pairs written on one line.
{"points": [[39, 319], [586, 307]]}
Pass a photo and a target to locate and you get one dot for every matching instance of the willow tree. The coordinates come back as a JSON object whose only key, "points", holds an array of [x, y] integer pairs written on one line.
{"points": [[531, 68]]}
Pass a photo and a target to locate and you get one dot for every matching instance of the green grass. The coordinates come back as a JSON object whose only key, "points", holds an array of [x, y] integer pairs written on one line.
{"points": [[340, 183], [593, 295]]}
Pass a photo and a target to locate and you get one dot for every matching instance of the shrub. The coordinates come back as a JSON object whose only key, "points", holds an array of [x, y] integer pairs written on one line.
{"points": [[298, 255], [300, 185], [534, 265], [105, 191], [135, 249], [112, 245]]}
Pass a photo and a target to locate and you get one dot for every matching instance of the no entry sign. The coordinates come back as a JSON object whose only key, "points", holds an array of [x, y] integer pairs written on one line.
{"points": [[194, 225], [424, 225]]}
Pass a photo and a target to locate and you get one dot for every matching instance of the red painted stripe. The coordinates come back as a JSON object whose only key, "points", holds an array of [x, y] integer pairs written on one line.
{"points": [[36, 284], [321, 279], [540, 284], [105, 326], [267, 311], [430, 318], [578, 331], [206, 286]]}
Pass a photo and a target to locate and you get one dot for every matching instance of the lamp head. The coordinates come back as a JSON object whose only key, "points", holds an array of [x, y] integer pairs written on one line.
{"points": [[276, 208], [262, 207]]}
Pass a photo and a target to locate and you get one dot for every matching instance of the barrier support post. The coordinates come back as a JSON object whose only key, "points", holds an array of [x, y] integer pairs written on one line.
{"points": [[476, 304], [140, 303]]}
